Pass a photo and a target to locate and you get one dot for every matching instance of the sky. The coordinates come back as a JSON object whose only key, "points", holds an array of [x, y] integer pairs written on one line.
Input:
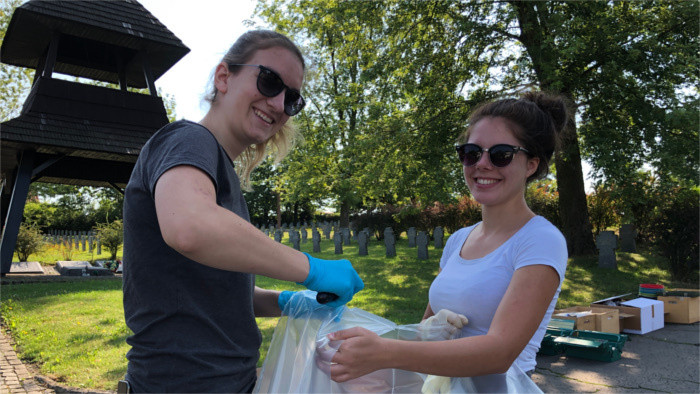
{"points": [[208, 28]]}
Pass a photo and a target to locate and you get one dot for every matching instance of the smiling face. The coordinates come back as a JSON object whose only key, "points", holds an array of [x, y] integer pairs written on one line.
{"points": [[253, 118], [491, 185]]}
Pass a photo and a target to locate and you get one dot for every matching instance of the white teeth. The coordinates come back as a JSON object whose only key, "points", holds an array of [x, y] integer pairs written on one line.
{"points": [[263, 117], [483, 181]]}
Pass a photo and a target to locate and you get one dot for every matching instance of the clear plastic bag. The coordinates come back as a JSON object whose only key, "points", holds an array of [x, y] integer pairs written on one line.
{"points": [[291, 366]]}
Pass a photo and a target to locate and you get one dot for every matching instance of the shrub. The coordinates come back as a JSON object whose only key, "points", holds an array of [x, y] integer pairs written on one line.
{"points": [[602, 209], [29, 241], [377, 220], [677, 233], [111, 236], [543, 200]]}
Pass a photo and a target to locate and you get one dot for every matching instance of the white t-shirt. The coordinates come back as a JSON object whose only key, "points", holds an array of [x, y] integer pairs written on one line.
{"points": [[475, 287]]}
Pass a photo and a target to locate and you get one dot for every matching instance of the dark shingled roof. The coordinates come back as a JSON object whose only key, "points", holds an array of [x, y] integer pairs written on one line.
{"points": [[112, 32], [84, 134]]}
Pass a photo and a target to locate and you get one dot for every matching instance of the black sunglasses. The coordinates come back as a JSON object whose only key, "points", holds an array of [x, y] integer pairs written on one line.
{"points": [[270, 84], [500, 155]]}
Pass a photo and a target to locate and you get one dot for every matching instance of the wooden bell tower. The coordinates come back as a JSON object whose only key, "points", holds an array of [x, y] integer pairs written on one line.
{"points": [[70, 132]]}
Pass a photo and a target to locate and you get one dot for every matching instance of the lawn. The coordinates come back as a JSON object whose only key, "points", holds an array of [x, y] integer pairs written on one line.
{"points": [[75, 332]]}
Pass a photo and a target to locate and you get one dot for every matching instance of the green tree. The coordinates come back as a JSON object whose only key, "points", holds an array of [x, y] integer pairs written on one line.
{"points": [[29, 241], [628, 69], [111, 236]]}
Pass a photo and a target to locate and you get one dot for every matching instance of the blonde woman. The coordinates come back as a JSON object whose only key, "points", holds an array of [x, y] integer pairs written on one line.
{"points": [[190, 253]]}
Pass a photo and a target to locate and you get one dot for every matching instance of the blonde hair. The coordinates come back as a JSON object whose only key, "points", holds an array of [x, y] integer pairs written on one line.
{"points": [[277, 146]]}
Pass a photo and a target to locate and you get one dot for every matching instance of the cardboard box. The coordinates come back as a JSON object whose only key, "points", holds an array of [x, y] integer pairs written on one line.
{"points": [[592, 318], [681, 308], [583, 318], [637, 316]]}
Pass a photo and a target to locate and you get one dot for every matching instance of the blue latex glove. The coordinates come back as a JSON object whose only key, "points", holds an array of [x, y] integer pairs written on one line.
{"points": [[333, 276], [284, 297], [303, 304]]}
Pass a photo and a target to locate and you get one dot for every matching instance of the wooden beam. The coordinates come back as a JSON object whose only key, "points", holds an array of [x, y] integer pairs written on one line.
{"points": [[14, 213]]}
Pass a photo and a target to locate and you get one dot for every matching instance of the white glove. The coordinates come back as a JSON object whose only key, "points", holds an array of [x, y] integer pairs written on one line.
{"points": [[443, 325], [434, 384]]}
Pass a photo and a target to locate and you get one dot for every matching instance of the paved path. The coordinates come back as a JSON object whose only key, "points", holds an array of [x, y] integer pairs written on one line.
{"points": [[665, 360], [14, 376]]}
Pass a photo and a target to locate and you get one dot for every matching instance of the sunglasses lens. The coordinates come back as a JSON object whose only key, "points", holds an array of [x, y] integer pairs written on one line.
{"points": [[269, 83], [501, 155], [469, 154], [293, 102]]}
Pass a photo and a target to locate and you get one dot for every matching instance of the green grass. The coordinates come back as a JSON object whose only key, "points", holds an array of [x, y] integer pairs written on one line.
{"points": [[75, 331]]}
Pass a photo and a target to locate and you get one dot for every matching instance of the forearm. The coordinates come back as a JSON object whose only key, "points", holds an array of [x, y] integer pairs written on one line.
{"points": [[265, 303], [221, 239], [473, 356]]}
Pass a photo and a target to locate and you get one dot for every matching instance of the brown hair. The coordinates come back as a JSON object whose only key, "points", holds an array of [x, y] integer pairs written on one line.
{"points": [[281, 143], [537, 120]]}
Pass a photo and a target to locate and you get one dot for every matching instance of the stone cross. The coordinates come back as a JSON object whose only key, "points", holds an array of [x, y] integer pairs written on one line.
{"points": [[390, 242], [304, 235], [411, 234], [338, 241], [362, 239], [327, 231], [439, 235], [606, 241], [627, 238], [316, 239], [422, 243]]}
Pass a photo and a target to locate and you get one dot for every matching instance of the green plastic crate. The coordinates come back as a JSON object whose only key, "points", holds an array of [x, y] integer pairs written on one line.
{"points": [[593, 345]]}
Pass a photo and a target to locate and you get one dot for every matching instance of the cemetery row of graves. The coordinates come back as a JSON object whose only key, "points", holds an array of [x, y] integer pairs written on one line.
{"points": [[88, 241]]}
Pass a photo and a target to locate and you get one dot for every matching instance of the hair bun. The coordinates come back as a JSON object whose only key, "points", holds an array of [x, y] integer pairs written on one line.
{"points": [[552, 105]]}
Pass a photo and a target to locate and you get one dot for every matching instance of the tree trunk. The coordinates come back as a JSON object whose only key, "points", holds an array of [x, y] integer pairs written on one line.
{"points": [[573, 208], [344, 214]]}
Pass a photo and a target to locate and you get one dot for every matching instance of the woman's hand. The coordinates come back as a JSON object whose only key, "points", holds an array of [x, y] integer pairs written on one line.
{"points": [[359, 352]]}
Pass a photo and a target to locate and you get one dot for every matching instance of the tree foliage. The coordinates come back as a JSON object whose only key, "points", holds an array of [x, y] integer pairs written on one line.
{"points": [[29, 241], [111, 236], [391, 83]]}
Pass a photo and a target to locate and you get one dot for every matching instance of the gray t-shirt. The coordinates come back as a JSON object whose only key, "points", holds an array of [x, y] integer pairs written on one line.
{"points": [[193, 326]]}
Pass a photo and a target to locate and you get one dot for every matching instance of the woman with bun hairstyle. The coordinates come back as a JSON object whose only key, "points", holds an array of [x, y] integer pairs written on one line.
{"points": [[190, 252], [504, 273]]}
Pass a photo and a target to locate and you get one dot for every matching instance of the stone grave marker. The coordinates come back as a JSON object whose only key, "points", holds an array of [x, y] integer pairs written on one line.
{"points": [[439, 235], [80, 268], [422, 243], [390, 242], [346, 236], [316, 239], [411, 234], [26, 267], [295, 238], [628, 234], [338, 241], [304, 234], [606, 241], [278, 235], [362, 239]]}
